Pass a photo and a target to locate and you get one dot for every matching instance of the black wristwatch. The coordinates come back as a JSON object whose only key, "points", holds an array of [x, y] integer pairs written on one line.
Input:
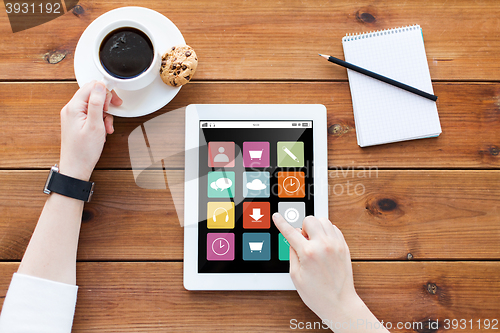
{"points": [[68, 186]]}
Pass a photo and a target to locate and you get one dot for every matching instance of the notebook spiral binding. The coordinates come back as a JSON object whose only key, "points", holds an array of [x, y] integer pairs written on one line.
{"points": [[365, 35]]}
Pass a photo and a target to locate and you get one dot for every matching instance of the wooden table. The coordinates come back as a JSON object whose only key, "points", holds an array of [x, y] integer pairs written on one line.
{"points": [[424, 234]]}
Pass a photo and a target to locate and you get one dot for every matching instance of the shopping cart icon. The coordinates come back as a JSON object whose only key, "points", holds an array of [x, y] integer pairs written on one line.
{"points": [[256, 246], [255, 154]]}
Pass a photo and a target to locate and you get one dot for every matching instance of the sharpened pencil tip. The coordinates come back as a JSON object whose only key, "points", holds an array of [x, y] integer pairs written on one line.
{"points": [[324, 56]]}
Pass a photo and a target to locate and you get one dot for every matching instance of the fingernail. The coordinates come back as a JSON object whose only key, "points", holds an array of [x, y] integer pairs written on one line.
{"points": [[99, 88], [275, 216]]}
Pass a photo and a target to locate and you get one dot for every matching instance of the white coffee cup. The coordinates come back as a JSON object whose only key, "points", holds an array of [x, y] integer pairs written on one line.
{"points": [[135, 83]]}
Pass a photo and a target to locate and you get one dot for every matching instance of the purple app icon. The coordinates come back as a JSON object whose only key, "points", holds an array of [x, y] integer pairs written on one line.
{"points": [[220, 246], [256, 154]]}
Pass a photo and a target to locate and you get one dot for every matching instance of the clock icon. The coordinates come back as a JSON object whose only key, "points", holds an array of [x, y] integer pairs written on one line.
{"points": [[291, 184], [220, 246]]}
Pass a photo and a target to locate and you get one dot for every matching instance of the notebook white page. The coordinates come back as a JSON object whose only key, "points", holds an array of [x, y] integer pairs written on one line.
{"points": [[384, 113]]}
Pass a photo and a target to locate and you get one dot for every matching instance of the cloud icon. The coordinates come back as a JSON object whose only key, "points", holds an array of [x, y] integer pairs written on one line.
{"points": [[256, 185], [222, 184]]}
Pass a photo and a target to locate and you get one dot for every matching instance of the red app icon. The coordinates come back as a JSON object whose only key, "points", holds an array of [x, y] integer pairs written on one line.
{"points": [[221, 154], [256, 215]]}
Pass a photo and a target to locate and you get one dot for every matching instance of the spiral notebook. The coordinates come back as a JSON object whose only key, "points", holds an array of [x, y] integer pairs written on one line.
{"points": [[384, 113]]}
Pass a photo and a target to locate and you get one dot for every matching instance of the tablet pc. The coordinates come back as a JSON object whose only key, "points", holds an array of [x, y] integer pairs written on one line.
{"points": [[243, 163]]}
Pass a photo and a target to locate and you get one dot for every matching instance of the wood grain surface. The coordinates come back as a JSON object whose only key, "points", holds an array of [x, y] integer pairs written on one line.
{"points": [[273, 40], [469, 114], [149, 297], [384, 215]]}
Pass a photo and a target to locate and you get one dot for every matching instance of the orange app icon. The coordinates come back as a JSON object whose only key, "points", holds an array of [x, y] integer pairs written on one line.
{"points": [[256, 215], [291, 185]]}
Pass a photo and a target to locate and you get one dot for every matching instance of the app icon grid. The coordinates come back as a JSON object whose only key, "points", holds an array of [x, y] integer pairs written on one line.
{"points": [[256, 246]]}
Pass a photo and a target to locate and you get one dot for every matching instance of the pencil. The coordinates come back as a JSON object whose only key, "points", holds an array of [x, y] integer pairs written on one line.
{"points": [[379, 77]]}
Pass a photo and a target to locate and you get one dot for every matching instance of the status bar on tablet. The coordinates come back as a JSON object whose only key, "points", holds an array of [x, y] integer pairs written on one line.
{"points": [[207, 124]]}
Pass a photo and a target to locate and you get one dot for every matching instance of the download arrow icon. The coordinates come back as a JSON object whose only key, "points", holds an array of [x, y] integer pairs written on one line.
{"points": [[256, 216]]}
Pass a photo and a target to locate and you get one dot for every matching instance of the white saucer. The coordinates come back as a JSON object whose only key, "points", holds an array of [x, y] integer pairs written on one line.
{"points": [[139, 102]]}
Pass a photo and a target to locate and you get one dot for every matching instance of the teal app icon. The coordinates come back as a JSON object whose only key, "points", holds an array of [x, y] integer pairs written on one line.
{"points": [[221, 184], [283, 248]]}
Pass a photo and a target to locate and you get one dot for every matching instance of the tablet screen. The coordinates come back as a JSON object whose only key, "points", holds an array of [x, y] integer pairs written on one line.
{"points": [[248, 171]]}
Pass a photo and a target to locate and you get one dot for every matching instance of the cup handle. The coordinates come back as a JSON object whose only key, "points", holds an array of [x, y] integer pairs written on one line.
{"points": [[108, 83]]}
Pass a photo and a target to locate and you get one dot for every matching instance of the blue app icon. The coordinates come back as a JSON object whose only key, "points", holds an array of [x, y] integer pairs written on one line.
{"points": [[256, 184], [257, 246]]}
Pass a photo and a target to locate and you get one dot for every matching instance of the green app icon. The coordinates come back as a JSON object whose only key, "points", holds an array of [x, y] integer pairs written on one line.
{"points": [[221, 184], [283, 248], [291, 154]]}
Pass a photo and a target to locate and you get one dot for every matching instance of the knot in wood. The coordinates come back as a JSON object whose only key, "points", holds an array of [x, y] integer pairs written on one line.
{"points": [[78, 10], [335, 129], [55, 57], [494, 150], [432, 288], [387, 205], [384, 207], [365, 17]]}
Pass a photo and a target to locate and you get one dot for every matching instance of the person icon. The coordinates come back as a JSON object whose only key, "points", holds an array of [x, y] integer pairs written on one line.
{"points": [[221, 157], [221, 154]]}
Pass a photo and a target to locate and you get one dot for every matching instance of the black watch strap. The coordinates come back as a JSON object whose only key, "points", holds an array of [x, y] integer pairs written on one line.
{"points": [[68, 186]]}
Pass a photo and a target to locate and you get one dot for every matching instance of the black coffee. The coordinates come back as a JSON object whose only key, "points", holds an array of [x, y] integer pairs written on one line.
{"points": [[126, 53]]}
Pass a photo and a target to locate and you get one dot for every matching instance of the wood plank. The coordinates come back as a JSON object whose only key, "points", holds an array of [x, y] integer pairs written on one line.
{"points": [[384, 215], [255, 40], [149, 297], [469, 113]]}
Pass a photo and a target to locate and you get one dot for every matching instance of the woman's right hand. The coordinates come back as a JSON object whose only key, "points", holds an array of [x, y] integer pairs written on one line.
{"points": [[321, 270], [320, 265]]}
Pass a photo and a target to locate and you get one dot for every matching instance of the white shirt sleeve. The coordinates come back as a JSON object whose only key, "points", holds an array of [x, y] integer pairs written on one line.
{"points": [[38, 305]]}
